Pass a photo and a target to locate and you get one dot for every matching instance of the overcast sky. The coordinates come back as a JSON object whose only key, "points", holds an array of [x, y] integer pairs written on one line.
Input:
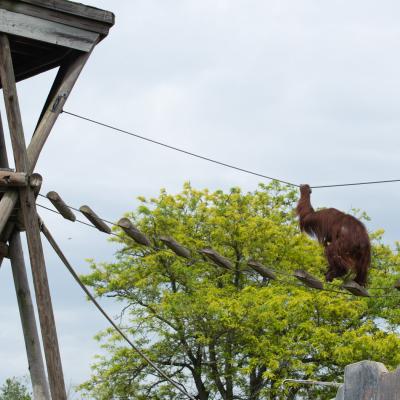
{"points": [[306, 91]]}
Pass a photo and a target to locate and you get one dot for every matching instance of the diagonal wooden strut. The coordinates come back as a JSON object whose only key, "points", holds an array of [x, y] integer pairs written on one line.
{"points": [[28, 207], [60, 91], [32, 343]]}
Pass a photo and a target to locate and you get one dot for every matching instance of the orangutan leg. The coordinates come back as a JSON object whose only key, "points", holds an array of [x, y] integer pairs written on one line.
{"points": [[337, 266]]}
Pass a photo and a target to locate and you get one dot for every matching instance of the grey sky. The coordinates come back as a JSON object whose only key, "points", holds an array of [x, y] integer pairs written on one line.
{"points": [[306, 91]]}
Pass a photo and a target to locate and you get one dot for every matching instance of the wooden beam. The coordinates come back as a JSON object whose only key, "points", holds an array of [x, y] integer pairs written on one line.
{"points": [[32, 343], [9, 178], [47, 31], [261, 269], [44, 127], [28, 206], [76, 9], [95, 219], [22, 7], [176, 247], [217, 258], [355, 288], [308, 279], [26, 310], [60, 206], [133, 232]]}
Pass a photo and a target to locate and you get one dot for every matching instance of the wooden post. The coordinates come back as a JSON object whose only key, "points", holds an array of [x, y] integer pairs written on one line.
{"points": [[58, 95], [356, 289], [28, 206], [32, 343]]}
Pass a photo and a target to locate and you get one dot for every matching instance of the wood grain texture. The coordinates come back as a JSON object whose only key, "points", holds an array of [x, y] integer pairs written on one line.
{"points": [[133, 232], [39, 382], [61, 206], [49, 14], [75, 8], [28, 207], [95, 219], [13, 179], [46, 31]]}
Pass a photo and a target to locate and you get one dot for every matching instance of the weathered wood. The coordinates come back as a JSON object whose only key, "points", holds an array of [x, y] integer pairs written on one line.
{"points": [[261, 269], [60, 206], [72, 72], [47, 31], [75, 9], [133, 232], [28, 206], [362, 381], [217, 258], [12, 179], [355, 288], [4, 251], [32, 343], [176, 247], [308, 279], [28, 321], [49, 14], [35, 182], [95, 219], [44, 127]]}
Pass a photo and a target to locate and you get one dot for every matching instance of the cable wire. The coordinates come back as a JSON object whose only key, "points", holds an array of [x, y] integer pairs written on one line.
{"points": [[189, 153], [59, 252]]}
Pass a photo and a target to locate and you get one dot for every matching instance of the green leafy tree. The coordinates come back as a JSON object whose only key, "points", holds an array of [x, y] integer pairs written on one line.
{"points": [[230, 334], [14, 389]]}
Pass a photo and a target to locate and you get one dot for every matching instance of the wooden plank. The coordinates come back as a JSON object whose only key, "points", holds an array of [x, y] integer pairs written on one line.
{"points": [[308, 279], [47, 31], [176, 247], [133, 232], [28, 206], [56, 16], [95, 219], [77, 9], [60, 206]]}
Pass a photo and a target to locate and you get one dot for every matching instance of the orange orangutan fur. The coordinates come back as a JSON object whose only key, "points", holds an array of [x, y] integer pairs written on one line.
{"points": [[345, 238]]}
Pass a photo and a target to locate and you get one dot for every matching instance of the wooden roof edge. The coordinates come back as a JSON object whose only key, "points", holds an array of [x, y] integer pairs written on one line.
{"points": [[74, 8]]}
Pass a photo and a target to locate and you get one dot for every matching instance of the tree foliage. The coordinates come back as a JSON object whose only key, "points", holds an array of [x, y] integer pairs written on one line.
{"points": [[231, 334], [14, 389]]}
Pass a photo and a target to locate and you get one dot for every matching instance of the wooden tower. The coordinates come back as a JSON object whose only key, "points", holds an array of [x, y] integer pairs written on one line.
{"points": [[36, 36]]}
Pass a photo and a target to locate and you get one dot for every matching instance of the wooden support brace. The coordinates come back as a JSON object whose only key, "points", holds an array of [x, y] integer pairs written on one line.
{"points": [[58, 97], [95, 219], [356, 289], [28, 206], [261, 269], [133, 232], [308, 279], [217, 258], [176, 247], [60, 206], [4, 251], [12, 179]]}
